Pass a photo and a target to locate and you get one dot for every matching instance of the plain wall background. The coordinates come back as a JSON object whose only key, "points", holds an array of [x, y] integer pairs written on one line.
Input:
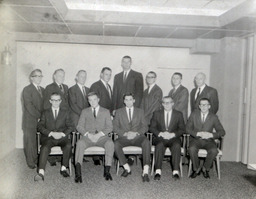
{"points": [[73, 57]]}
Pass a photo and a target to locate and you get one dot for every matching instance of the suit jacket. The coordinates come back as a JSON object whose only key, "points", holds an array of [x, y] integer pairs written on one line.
{"points": [[62, 123], [54, 88], [105, 98], [151, 102], [195, 125], [87, 122], [77, 102], [176, 125], [180, 98], [208, 92], [133, 84], [32, 106], [121, 122]]}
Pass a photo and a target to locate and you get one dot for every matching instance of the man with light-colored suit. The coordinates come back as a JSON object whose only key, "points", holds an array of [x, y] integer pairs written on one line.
{"points": [[32, 97], [94, 125], [180, 95], [167, 126], [128, 81], [77, 95], [203, 91], [200, 126], [130, 125], [152, 97]]}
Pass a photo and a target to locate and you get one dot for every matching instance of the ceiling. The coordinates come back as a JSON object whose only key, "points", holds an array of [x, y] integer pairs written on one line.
{"points": [[172, 19]]}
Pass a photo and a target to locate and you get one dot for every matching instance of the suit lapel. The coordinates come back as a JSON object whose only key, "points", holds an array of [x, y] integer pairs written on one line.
{"points": [[78, 90], [171, 121]]}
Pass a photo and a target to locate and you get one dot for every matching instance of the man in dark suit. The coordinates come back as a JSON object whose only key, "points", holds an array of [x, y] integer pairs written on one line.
{"points": [[167, 126], [179, 94], [128, 81], [200, 127], [203, 91], [77, 96], [103, 89], [130, 125], [57, 87], [32, 97], [94, 124], [152, 97], [55, 126]]}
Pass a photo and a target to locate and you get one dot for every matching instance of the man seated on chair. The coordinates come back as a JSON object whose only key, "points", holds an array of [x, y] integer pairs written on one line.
{"points": [[55, 125], [130, 125], [200, 127], [95, 125], [167, 126]]}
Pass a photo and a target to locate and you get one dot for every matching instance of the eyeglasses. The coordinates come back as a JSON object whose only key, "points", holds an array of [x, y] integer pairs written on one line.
{"points": [[166, 103], [148, 77], [53, 100], [204, 105], [37, 76]]}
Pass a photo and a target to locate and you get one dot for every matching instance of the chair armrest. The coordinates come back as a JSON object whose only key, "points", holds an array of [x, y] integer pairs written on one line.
{"points": [[219, 143], [150, 137]]}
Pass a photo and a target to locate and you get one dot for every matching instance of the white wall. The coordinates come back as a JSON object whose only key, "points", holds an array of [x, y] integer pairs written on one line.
{"points": [[73, 57]]}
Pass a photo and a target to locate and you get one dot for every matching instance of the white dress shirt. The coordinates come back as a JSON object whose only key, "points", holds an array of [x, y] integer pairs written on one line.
{"points": [[127, 111], [201, 89]]}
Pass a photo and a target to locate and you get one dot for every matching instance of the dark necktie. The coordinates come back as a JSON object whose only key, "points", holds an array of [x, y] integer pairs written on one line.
{"points": [[167, 121], [94, 112], [109, 91], [125, 76], [55, 114], [130, 115], [39, 90], [61, 88], [197, 96], [84, 92]]}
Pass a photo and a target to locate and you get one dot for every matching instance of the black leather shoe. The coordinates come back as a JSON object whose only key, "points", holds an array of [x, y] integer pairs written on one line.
{"points": [[194, 174], [39, 177], [96, 162], [206, 174], [78, 176], [64, 173], [145, 178], [157, 176], [130, 161], [176, 176], [108, 176], [126, 173]]}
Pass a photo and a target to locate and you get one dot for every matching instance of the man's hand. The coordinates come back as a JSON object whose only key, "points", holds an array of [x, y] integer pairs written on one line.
{"points": [[57, 135], [166, 135], [131, 135], [95, 137], [204, 135]]}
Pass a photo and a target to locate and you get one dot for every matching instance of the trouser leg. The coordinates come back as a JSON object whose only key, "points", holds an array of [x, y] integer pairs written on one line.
{"points": [[30, 146]]}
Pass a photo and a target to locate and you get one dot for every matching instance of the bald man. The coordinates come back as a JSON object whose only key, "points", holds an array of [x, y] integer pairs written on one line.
{"points": [[203, 91]]}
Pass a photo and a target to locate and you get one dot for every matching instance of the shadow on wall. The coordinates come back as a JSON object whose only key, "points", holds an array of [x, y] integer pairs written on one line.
{"points": [[251, 179]]}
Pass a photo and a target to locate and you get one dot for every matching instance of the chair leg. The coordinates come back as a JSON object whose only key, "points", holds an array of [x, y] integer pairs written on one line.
{"points": [[181, 169], [153, 164], [70, 167], [189, 168], [218, 166], [117, 167]]}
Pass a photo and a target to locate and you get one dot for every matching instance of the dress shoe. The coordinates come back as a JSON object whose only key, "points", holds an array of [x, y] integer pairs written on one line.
{"points": [[130, 161], [78, 175], [108, 176], [206, 174], [32, 166], [126, 173], [64, 173], [176, 176], [96, 162], [145, 178], [39, 177], [157, 176], [194, 174]]}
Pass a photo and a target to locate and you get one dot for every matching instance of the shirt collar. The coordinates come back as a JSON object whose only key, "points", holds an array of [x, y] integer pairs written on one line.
{"points": [[127, 72], [177, 87], [201, 87], [80, 86], [105, 83], [53, 109], [97, 108], [36, 85], [151, 86]]}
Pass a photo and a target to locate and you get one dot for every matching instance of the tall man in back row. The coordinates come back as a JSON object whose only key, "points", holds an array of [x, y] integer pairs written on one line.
{"points": [[128, 81]]}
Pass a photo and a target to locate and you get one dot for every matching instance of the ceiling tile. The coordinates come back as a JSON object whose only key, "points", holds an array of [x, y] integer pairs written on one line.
{"points": [[120, 30], [158, 32], [7, 14], [218, 34], [38, 14], [28, 2], [185, 33], [245, 23], [18, 27], [86, 29], [51, 28]]}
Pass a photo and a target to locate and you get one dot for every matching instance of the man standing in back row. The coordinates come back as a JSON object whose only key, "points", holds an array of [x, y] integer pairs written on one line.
{"points": [[128, 81]]}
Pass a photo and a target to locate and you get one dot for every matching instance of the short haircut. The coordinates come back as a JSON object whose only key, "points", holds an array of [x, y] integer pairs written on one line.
{"points": [[204, 99], [55, 94], [34, 71], [105, 68], [167, 97], [127, 57], [60, 69], [92, 94], [177, 73], [128, 94], [152, 72], [80, 71]]}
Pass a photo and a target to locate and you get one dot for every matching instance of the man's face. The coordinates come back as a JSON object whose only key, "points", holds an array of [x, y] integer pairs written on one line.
{"points": [[81, 78], [150, 79], [204, 106], [200, 80], [167, 104], [129, 101], [59, 77], [55, 101], [37, 78], [176, 80], [126, 63], [94, 101], [106, 75]]}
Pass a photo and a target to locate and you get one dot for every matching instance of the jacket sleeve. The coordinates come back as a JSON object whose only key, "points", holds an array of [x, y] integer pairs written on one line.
{"points": [[41, 126], [182, 102], [69, 125], [28, 103], [115, 93], [143, 124], [108, 122], [81, 128], [139, 90], [181, 125], [220, 132], [156, 103], [117, 124], [153, 125], [214, 101], [190, 126]]}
